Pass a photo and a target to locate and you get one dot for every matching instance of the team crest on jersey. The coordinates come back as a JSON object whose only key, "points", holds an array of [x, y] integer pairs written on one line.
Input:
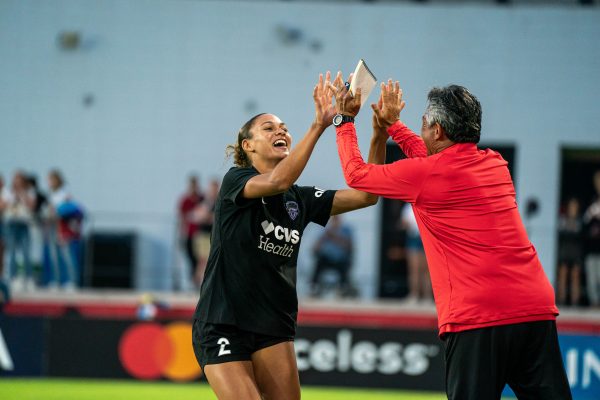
{"points": [[292, 209]]}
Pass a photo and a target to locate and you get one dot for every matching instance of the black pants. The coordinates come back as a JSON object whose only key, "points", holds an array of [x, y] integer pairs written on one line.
{"points": [[526, 356], [191, 254]]}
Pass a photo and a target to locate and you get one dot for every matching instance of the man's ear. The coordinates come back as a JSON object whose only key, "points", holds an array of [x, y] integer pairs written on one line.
{"points": [[438, 133]]}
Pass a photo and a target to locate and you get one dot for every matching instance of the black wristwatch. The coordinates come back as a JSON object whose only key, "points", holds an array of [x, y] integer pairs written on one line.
{"points": [[340, 119]]}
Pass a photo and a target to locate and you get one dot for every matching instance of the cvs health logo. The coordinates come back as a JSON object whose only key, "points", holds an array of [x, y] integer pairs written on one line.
{"points": [[281, 233]]}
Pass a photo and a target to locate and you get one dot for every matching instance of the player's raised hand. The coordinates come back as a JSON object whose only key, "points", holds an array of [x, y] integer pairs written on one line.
{"points": [[323, 95], [387, 110]]}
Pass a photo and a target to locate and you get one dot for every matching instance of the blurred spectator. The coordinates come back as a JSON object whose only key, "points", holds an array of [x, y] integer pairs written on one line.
{"points": [[203, 216], [63, 234], [20, 203], [419, 284], [570, 254], [532, 209], [38, 225], [188, 228], [591, 220], [334, 251], [40, 199]]}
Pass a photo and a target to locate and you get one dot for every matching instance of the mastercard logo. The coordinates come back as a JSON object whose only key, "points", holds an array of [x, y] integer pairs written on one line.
{"points": [[151, 351]]}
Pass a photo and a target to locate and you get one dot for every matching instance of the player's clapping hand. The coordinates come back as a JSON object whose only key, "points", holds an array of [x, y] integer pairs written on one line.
{"points": [[322, 95], [387, 110]]}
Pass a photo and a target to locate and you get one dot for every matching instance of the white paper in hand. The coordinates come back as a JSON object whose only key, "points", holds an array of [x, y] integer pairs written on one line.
{"points": [[364, 79]]}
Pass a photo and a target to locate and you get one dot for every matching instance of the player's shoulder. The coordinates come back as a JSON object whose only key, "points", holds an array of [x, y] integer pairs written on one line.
{"points": [[236, 173], [309, 191]]}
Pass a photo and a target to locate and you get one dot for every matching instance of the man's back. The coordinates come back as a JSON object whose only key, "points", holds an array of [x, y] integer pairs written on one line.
{"points": [[495, 305], [484, 269]]}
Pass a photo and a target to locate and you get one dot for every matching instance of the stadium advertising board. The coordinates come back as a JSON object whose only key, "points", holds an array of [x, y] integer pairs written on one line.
{"points": [[331, 356], [383, 358], [326, 356], [121, 349], [581, 355], [85, 348], [21, 346], [153, 351]]}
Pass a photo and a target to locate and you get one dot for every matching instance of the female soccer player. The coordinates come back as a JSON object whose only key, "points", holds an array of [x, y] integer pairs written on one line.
{"points": [[245, 321]]}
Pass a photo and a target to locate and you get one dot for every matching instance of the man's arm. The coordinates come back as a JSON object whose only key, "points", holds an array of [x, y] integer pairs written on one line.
{"points": [[351, 199], [411, 144], [401, 180], [387, 111]]}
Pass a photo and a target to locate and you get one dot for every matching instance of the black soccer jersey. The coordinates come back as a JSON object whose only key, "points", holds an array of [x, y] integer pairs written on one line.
{"points": [[250, 278]]}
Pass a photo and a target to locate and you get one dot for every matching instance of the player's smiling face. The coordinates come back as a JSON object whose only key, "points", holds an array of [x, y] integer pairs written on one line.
{"points": [[270, 139]]}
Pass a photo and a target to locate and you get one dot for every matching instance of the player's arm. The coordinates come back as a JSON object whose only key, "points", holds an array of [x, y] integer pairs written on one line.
{"points": [[285, 174]]}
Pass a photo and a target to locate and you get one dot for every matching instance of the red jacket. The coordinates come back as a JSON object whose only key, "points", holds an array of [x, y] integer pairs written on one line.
{"points": [[484, 270], [186, 207]]}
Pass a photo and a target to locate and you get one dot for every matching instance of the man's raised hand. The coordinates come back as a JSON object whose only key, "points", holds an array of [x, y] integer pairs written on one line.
{"points": [[345, 102], [387, 110]]}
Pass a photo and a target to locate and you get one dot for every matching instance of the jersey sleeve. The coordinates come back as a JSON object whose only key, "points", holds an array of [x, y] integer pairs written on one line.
{"points": [[402, 180], [233, 185], [318, 203], [411, 144]]}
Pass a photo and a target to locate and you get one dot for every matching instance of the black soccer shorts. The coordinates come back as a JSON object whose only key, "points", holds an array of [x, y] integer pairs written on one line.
{"points": [[217, 343], [526, 356]]}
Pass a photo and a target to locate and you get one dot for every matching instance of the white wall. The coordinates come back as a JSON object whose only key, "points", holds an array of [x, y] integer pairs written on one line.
{"points": [[173, 80]]}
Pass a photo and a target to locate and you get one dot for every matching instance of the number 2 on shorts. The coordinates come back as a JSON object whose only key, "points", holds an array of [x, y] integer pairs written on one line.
{"points": [[223, 342]]}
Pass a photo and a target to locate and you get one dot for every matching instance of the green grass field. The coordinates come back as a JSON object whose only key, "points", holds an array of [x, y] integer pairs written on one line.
{"points": [[69, 389]]}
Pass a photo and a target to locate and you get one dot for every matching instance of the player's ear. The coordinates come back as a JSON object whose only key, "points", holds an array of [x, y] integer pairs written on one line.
{"points": [[247, 146]]}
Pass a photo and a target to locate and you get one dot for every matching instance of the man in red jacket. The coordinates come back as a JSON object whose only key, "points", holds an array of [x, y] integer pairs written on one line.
{"points": [[496, 310]]}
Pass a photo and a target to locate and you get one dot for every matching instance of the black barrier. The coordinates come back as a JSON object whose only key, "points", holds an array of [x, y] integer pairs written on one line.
{"points": [[79, 347], [111, 257], [383, 358], [22, 346], [85, 348], [121, 349], [331, 356]]}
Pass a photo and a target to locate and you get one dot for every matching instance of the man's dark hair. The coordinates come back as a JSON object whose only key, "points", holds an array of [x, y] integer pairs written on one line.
{"points": [[457, 111]]}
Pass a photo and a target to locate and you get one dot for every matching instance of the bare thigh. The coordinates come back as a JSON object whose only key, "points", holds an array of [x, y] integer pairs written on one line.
{"points": [[233, 380], [276, 372]]}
